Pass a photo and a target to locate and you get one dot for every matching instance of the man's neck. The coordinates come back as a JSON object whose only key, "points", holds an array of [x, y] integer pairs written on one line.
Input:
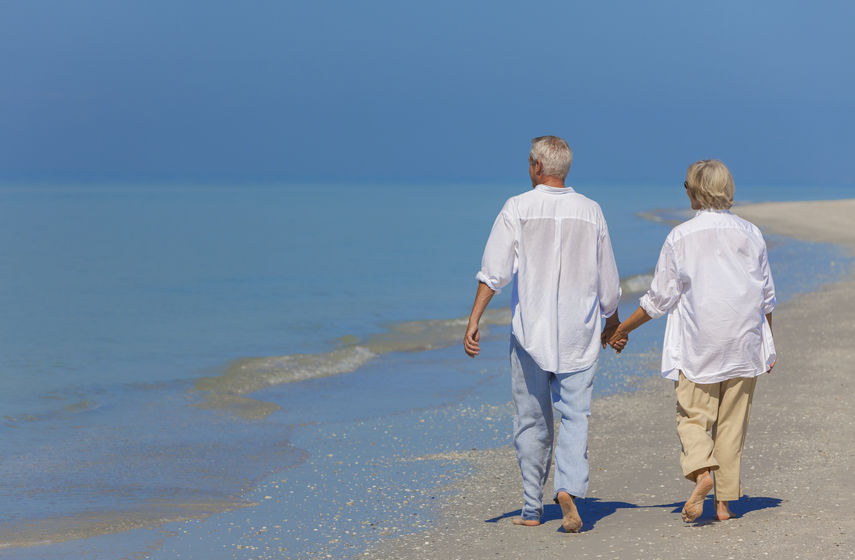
{"points": [[549, 181]]}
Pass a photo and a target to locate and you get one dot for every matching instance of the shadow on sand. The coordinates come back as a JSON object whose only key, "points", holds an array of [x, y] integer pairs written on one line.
{"points": [[745, 504], [592, 510]]}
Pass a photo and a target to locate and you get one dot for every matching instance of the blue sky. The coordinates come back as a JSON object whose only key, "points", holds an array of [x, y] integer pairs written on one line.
{"points": [[430, 91]]}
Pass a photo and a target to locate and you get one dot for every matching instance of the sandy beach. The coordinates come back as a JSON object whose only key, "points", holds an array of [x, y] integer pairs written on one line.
{"points": [[796, 473]]}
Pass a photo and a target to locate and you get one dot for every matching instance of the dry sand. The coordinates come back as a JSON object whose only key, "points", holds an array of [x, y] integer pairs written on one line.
{"points": [[796, 464]]}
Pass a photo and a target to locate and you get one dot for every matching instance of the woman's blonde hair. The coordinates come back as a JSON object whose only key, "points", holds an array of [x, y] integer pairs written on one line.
{"points": [[710, 183]]}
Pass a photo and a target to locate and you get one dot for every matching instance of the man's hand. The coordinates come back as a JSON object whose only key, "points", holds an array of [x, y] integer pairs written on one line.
{"points": [[472, 336], [471, 339], [607, 333], [612, 325]]}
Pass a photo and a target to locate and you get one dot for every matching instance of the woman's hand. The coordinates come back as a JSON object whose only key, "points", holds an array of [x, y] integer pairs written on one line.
{"points": [[619, 338]]}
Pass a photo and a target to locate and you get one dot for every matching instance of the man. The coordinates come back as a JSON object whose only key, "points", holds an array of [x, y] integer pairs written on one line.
{"points": [[554, 244]]}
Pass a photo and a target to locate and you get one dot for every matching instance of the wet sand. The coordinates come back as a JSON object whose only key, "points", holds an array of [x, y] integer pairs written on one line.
{"points": [[796, 463]]}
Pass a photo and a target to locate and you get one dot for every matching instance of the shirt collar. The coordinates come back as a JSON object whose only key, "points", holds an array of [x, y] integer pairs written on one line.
{"points": [[712, 210], [553, 190]]}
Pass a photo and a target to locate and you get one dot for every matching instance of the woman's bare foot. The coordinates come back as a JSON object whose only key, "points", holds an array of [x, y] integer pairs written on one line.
{"points": [[695, 504], [722, 511], [525, 522], [572, 523]]}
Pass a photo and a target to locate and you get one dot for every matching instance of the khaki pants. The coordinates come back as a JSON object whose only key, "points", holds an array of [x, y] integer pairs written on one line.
{"points": [[712, 420]]}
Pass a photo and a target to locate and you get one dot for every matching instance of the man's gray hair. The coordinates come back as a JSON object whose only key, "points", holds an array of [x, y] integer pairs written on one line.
{"points": [[553, 153]]}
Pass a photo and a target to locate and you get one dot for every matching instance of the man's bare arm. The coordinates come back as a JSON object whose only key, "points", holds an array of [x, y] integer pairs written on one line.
{"points": [[473, 336]]}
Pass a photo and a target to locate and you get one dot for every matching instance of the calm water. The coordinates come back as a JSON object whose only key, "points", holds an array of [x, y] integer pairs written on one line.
{"points": [[168, 352]]}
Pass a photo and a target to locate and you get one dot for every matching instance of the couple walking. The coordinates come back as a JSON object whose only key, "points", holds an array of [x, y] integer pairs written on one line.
{"points": [[712, 280]]}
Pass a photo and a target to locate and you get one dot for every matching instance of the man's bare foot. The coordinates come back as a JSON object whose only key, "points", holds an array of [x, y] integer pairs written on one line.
{"points": [[695, 504], [572, 523], [722, 511], [525, 522]]}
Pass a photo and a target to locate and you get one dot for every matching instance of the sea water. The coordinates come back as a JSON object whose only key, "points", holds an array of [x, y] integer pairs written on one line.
{"points": [[169, 352]]}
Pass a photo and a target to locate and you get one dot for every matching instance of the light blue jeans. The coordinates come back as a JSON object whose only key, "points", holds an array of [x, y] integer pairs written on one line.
{"points": [[535, 392]]}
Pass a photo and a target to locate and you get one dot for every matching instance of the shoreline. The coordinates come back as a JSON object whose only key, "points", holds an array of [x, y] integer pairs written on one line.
{"points": [[799, 426]]}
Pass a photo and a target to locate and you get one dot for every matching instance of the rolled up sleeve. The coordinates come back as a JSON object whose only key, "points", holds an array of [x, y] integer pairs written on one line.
{"points": [[768, 283], [497, 264], [608, 287], [666, 287]]}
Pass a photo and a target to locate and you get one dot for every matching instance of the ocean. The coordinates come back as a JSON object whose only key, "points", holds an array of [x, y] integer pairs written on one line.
{"points": [[251, 371]]}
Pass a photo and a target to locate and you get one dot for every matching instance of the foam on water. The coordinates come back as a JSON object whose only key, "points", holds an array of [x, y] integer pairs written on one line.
{"points": [[635, 284], [241, 377], [227, 390]]}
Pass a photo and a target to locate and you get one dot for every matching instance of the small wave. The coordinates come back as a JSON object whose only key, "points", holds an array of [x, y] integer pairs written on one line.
{"points": [[669, 217], [248, 375], [71, 408], [88, 524], [419, 336], [636, 284]]}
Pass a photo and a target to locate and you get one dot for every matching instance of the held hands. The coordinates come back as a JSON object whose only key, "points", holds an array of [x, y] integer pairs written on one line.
{"points": [[614, 336], [619, 339], [617, 335]]}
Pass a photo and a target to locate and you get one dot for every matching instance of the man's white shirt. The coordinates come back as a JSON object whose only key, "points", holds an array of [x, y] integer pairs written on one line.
{"points": [[554, 244], [713, 281]]}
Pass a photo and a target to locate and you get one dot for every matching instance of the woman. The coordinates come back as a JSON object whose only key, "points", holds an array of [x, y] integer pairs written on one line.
{"points": [[713, 281]]}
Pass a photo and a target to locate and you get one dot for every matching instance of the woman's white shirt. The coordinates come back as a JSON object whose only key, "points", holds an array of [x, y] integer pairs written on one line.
{"points": [[713, 281]]}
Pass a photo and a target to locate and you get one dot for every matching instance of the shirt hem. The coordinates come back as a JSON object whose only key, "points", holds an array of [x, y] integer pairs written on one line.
{"points": [[674, 374]]}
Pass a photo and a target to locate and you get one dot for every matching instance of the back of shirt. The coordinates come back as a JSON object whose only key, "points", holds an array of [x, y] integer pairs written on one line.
{"points": [[554, 243], [714, 278]]}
